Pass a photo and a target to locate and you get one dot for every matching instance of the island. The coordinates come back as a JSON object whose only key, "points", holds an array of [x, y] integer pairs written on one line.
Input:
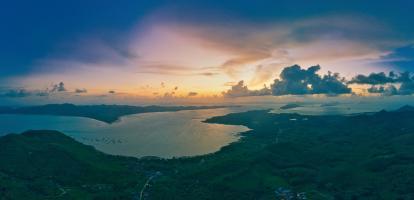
{"points": [[290, 106], [329, 104], [104, 113], [359, 156]]}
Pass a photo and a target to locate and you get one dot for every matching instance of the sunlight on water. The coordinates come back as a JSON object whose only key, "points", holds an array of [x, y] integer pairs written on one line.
{"points": [[168, 134], [174, 134]]}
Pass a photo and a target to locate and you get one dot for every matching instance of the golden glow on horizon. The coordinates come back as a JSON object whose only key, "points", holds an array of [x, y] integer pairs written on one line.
{"points": [[203, 60]]}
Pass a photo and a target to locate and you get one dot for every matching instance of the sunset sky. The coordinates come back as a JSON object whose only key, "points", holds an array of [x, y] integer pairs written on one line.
{"points": [[193, 49]]}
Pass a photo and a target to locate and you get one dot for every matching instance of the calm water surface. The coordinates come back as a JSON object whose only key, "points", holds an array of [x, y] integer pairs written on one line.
{"points": [[168, 134]]}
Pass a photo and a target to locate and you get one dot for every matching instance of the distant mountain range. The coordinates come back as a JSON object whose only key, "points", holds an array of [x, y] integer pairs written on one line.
{"points": [[105, 113], [406, 108]]}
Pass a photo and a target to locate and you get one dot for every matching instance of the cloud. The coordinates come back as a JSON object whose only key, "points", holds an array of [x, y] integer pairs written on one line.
{"points": [[207, 73], [262, 73], [23, 92], [381, 78], [302, 41], [81, 90], [230, 83], [374, 79], [378, 80], [19, 93], [407, 87], [386, 91], [60, 87], [248, 51], [192, 94], [176, 70], [296, 81], [169, 95], [111, 92], [233, 65], [42, 93], [401, 58], [240, 90]]}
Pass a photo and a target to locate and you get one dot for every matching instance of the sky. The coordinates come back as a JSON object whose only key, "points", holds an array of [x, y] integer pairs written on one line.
{"points": [[146, 50]]}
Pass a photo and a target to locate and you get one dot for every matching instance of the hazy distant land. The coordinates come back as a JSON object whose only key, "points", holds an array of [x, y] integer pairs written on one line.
{"points": [[290, 106], [105, 113]]}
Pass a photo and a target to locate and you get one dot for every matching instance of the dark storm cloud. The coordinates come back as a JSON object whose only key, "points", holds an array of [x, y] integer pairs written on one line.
{"points": [[381, 78], [384, 90], [386, 84], [374, 79], [407, 88], [296, 81], [241, 90]]}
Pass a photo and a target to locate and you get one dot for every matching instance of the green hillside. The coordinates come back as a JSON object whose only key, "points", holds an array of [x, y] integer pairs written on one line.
{"points": [[50, 165], [284, 156]]}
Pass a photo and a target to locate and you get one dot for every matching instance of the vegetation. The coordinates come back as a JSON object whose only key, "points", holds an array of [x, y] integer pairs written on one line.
{"points": [[105, 113], [50, 165], [283, 156]]}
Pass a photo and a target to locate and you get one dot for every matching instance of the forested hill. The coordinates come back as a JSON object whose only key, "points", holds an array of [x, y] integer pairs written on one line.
{"points": [[283, 156], [50, 165]]}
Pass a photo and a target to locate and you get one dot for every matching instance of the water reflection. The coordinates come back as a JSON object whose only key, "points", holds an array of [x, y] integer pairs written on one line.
{"points": [[170, 134], [174, 134]]}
